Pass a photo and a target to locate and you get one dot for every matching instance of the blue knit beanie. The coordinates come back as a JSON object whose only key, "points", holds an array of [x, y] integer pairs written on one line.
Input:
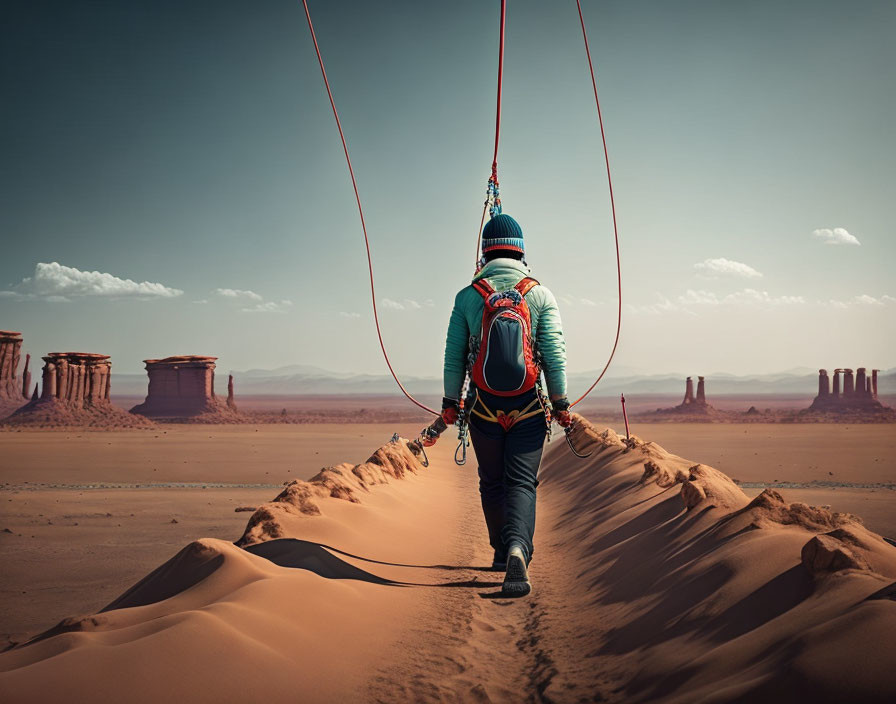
{"points": [[502, 232]]}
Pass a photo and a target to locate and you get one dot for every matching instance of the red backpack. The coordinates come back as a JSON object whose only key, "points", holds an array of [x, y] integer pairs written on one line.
{"points": [[505, 363]]}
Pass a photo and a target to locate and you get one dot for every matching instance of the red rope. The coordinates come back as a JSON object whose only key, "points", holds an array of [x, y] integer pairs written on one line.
{"points": [[603, 137], [494, 175], [500, 80], [361, 214]]}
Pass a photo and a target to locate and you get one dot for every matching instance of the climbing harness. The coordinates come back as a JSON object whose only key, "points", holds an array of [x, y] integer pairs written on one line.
{"points": [[492, 204], [506, 419]]}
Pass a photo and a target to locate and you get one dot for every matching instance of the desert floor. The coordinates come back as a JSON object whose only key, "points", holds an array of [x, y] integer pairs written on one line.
{"points": [[84, 515]]}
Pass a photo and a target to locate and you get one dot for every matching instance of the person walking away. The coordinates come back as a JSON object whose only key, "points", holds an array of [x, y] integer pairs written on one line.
{"points": [[504, 332]]}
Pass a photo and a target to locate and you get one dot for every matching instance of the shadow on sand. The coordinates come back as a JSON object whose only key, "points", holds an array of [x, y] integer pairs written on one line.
{"points": [[319, 558]]}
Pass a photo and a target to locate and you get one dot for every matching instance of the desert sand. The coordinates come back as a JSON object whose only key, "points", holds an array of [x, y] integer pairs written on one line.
{"points": [[656, 579]]}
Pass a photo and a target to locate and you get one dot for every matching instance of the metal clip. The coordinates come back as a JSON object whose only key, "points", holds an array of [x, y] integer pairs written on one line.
{"points": [[463, 443], [567, 432]]}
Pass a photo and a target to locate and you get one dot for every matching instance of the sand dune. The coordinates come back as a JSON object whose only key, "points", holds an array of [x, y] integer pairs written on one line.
{"points": [[656, 579], [705, 595]]}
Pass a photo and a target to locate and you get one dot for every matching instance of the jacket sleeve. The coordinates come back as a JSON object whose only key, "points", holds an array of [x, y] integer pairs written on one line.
{"points": [[551, 345], [456, 350]]}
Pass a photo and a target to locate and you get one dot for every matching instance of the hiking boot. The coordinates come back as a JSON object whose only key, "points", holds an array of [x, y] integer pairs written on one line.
{"points": [[499, 561], [516, 579]]}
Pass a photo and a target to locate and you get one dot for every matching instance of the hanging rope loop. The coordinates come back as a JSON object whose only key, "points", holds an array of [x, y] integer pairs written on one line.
{"points": [[603, 138], [351, 172], [492, 204]]}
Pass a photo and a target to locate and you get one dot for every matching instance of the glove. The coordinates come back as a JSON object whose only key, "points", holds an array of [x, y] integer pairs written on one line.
{"points": [[431, 433], [561, 412], [563, 418], [449, 411]]}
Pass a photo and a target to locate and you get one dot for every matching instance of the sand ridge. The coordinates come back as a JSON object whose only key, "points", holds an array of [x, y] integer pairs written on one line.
{"points": [[656, 579]]}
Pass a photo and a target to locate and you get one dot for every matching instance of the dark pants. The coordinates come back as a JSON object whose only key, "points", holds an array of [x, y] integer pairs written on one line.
{"points": [[508, 471]]}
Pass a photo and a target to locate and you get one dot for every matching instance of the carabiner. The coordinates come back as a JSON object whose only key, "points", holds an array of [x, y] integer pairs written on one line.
{"points": [[567, 432], [464, 442], [425, 461]]}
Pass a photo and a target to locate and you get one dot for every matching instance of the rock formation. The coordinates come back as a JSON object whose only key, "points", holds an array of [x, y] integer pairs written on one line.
{"points": [[691, 408], [78, 378], [824, 383], [10, 389], [693, 404], [859, 393], [75, 392], [849, 386], [26, 377], [688, 392], [231, 404], [182, 387]]}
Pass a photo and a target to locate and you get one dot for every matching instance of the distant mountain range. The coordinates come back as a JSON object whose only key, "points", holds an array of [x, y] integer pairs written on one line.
{"points": [[300, 379]]}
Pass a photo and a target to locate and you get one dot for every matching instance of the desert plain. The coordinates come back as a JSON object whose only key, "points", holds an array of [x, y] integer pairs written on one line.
{"points": [[379, 588]]}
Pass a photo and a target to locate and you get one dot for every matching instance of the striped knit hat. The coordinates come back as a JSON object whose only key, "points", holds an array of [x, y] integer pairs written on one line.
{"points": [[502, 232]]}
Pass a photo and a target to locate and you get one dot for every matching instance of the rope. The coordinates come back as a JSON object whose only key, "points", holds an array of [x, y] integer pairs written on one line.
{"points": [[492, 179], [494, 175], [351, 172], [603, 137]]}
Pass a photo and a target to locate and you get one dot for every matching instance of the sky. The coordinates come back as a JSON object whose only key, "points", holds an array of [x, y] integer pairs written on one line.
{"points": [[172, 180]]}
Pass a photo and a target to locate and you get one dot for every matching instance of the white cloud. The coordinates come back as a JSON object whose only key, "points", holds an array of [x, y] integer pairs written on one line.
{"points": [[837, 235], [247, 298], [346, 314], [691, 298], [744, 296], [863, 300], [238, 293], [752, 296], [727, 267], [663, 305], [405, 304], [57, 283], [201, 301], [699, 298], [571, 301], [282, 306]]}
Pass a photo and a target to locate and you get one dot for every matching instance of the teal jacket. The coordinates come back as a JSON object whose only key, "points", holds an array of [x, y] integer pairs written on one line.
{"points": [[466, 320]]}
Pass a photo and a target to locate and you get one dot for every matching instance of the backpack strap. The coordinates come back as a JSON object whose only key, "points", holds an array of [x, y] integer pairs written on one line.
{"points": [[525, 285], [483, 287]]}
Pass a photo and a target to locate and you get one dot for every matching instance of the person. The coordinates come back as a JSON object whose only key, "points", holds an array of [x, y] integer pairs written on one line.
{"points": [[504, 332]]}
